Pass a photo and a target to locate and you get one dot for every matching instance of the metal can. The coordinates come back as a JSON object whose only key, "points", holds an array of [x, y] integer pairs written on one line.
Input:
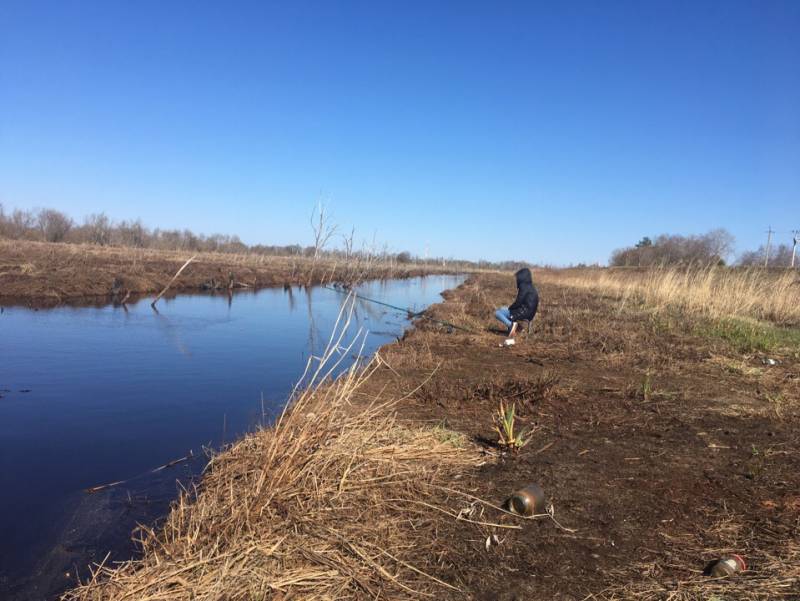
{"points": [[528, 501], [728, 566]]}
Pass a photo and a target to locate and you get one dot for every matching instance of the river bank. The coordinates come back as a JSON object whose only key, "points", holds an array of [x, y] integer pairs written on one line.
{"points": [[660, 444], [49, 274]]}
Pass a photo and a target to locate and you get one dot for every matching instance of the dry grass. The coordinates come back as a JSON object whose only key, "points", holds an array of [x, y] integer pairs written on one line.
{"points": [[771, 574], [330, 503], [55, 273], [332, 268], [711, 292]]}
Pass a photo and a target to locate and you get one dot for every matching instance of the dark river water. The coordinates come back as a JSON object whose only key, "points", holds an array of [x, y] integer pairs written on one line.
{"points": [[90, 396]]}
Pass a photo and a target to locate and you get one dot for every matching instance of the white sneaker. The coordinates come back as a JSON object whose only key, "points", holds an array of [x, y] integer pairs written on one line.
{"points": [[509, 342]]}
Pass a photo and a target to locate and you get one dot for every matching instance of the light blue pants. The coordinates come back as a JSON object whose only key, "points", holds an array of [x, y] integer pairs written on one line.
{"points": [[504, 316]]}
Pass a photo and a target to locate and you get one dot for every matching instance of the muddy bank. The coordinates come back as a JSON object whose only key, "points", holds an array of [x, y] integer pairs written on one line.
{"points": [[660, 450], [46, 274]]}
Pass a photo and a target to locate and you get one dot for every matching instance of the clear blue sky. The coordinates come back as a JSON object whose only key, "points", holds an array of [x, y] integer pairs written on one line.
{"points": [[496, 130]]}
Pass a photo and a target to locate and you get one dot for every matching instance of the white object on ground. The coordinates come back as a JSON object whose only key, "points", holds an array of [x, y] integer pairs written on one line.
{"points": [[509, 342]]}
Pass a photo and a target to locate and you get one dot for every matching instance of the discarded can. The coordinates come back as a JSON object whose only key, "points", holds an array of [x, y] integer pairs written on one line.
{"points": [[727, 566], [528, 501]]}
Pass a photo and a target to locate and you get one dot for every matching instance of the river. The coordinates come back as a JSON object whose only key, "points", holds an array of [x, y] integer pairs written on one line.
{"points": [[91, 396]]}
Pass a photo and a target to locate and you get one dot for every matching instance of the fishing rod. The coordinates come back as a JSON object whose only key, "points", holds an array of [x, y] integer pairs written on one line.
{"points": [[411, 314]]}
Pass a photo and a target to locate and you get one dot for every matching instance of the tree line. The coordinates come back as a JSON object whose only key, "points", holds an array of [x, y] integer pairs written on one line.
{"points": [[712, 248], [51, 225]]}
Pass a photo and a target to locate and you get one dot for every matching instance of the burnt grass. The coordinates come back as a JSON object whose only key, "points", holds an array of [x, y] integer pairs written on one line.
{"points": [[661, 445]]}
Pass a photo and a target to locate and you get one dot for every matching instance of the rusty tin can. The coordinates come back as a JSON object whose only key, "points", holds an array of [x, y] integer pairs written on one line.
{"points": [[728, 566], [528, 501]]}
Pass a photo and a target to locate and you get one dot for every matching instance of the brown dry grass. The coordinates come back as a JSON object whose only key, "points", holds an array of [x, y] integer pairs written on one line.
{"points": [[772, 573], [710, 292], [333, 502], [53, 273]]}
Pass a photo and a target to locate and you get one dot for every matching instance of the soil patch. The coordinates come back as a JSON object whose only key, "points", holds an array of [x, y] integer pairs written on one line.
{"points": [[659, 454]]}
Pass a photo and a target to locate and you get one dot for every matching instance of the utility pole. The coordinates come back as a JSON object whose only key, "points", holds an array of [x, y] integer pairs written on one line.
{"points": [[769, 243], [795, 234]]}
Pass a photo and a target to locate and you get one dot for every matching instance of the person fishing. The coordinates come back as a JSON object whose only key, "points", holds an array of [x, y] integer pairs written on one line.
{"points": [[523, 308]]}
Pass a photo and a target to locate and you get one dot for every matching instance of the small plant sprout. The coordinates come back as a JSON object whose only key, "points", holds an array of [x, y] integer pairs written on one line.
{"points": [[504, 425]]}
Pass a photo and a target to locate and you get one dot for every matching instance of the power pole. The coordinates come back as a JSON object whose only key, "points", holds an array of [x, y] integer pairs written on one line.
{"points": [[795, 234], [769, 243]]}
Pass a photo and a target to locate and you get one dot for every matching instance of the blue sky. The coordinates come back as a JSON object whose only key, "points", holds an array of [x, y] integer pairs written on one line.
{"points": [[523, 130]]}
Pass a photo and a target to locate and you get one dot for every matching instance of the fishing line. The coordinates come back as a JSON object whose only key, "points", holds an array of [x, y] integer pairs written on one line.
{"points": [[411, 314]]}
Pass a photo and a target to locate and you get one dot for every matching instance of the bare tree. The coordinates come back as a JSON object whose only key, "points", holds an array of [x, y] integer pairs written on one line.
{"points": [[324, 229], [779, 256], [98, 229], [348, 241], [350, 259], [720, 243], [53, 225], [131, 233], [23, 225]]}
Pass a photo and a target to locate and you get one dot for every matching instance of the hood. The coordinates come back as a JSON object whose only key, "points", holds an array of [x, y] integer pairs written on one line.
{"points": [[524, 277]]}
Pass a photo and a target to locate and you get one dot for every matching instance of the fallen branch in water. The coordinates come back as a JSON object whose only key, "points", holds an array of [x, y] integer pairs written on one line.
{"points": [[175, 277], [95, 489]]}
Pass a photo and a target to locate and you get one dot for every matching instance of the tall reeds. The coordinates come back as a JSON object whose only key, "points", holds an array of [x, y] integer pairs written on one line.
{"points": [[709, 291]]}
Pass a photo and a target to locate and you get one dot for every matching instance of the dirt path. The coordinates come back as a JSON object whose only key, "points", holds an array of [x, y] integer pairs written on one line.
{"points": [[660, 448]]}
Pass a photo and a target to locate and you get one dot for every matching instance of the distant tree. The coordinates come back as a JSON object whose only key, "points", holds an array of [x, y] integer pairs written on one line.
{"points": [[53, 225], [710, 248], [169, 239], [131, 233], [403, 257], [97, 228], [779, 256], [190, 240], [22, 225], [323, 227], [719, 242]]}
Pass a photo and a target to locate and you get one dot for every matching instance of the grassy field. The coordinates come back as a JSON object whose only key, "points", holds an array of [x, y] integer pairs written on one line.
{"points": [[718, 292], [661, 446], [756, 310]]}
